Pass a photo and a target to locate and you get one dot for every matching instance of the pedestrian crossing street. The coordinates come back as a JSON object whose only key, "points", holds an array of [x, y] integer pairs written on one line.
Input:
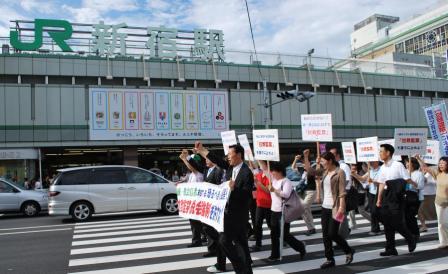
{"points": [[158, 244]]}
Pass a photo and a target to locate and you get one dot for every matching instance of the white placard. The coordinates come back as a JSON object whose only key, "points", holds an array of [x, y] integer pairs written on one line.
{"points": [[228, 139], [204, 202], [367, 149], [150, 114], [317, 127], [432, 155], [410, 141], [348, 150], [391, 142], [244, 142], [266, 145]]}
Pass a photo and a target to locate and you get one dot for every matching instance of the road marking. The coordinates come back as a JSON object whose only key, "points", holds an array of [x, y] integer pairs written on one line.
{"points": [[35, 231], [428, 266], [32, 227], [184, 251]]}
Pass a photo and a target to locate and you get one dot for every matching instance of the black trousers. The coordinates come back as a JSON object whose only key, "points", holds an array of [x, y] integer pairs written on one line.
{"points": [[212, 238], [410, 213], [330, 229], [375, 222], [394, 221], [233, 244], [261, 214], [196, 230], [287, 237]]}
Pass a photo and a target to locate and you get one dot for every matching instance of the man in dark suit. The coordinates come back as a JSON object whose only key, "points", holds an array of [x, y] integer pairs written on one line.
{"points": [[214, 175], [233, 241]]}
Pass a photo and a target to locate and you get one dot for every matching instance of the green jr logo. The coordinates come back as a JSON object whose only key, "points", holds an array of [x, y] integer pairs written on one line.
{"points": [[58, 36]]}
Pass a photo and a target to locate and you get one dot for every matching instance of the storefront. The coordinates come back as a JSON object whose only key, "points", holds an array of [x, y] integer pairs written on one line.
{"points": [[17, 164]]}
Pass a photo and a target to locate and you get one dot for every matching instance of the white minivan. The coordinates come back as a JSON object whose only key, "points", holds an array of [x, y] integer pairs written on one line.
{"points": [[81, 192]]}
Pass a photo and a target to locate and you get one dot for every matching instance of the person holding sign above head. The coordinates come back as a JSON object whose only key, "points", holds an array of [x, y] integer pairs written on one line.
{"points": [[310, 193], [333, 208], [441, 201], [193, 165], [281, 188], [233, 241], [392, 179]]}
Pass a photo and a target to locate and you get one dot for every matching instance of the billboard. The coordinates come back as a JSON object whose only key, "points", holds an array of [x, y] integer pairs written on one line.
{"points": [[151, 114]]}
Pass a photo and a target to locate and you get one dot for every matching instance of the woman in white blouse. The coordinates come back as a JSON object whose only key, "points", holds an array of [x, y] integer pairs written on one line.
{"points": [[281, 189]]}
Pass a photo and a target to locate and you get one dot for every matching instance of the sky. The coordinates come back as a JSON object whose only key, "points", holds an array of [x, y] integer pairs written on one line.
{"points": [[285, 26]]}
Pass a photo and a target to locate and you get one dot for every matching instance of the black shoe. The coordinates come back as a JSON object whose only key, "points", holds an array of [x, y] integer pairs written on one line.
{"points": [[310, 232], [209, 254], [255, 248], [204, 240], [349, 258], [327, 264], [194, 245], [389, 253], [412, 245], [252, 238], [272, 259], [302, 253]]}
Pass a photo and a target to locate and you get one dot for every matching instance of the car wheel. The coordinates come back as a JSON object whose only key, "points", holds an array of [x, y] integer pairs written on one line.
{"points": [[81, 211], [30, 209], [169, 205]]}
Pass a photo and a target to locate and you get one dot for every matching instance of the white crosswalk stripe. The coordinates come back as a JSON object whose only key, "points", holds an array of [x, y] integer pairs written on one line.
{"points": [[158, 244]]}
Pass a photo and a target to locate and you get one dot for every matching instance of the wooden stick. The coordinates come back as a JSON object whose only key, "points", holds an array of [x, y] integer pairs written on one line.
{"points": [[269, 175], [318, 149]]}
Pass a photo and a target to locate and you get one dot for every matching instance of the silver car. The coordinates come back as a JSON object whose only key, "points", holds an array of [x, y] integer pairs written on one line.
{"points": [[81, 192], [14, 198]]}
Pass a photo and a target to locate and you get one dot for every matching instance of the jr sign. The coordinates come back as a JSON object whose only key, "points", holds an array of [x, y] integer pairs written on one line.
{"points": [[58, 36]]}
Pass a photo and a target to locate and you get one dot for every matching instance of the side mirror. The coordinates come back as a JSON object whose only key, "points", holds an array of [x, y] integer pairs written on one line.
{"points": [[15, 190]]}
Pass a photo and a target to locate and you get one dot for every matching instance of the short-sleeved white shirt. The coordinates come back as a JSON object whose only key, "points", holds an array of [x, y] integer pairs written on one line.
{"points": [[348, 174], [392, 170]]}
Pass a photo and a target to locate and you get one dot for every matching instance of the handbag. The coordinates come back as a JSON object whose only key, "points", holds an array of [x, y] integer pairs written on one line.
{"points": [[351, 199], [293, 207]]}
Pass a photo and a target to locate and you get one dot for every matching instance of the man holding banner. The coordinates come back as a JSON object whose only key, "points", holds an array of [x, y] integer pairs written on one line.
{"points": [[233, 241]]}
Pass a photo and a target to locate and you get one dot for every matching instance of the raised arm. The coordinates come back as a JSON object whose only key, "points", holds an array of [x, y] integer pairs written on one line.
{"points": [[425, 168]]}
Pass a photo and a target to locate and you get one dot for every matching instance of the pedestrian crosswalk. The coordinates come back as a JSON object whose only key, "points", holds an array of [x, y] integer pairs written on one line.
{"points": [[158, 245]]}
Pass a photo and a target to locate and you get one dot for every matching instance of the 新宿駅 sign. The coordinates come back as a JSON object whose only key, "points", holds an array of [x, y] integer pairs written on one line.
{"points": [[110, 39]]}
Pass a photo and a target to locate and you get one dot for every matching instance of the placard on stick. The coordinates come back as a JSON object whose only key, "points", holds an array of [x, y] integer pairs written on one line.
{"points": [[266, 146], [228, 139]]}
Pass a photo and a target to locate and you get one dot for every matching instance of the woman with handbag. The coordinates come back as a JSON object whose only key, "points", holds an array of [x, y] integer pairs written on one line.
{"points": [[333, 209], [281, 189]]}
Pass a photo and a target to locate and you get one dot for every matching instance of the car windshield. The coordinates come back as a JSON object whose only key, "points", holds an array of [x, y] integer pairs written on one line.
{"points": [[12, 183]]}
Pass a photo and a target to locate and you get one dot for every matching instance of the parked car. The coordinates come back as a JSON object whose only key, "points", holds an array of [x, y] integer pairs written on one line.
{"points": [[15, 198], [81, 192]]}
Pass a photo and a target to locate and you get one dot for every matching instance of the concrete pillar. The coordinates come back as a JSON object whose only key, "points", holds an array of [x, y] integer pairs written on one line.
{"points": [[278, 86], [195, 84], [409, 93], [130, 156], [238, 87], [216, 84], [19, 79], [99, 81], [381, 91], [124, 81], [73, 80], [349, 90], [46, 79], [258, 86], [332, 89], [172, 83]]}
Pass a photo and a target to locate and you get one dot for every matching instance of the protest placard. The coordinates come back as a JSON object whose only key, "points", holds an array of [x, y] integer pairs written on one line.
{"points": [[367, 149], [410, 141], [204, 202], [266, 145], [228, 139], [348, 150], [317, 127], [244, 142], [432, 155]]}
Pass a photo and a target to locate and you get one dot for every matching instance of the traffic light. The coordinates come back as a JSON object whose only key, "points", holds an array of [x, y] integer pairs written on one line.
{"points": [[287, 94], [298, 95]]}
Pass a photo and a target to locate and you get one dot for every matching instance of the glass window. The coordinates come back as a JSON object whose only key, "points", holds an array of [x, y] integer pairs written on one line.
{"points": [[109, 176], [5, 188], [78, 177], [137, 176]]}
